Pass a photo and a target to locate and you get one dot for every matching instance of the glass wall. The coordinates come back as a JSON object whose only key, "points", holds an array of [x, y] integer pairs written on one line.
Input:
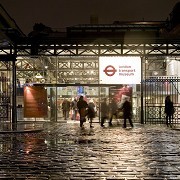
{"points": [[67, 78]]}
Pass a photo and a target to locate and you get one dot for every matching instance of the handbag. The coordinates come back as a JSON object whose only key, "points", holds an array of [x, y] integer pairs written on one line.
{"points": [[83, 112]]}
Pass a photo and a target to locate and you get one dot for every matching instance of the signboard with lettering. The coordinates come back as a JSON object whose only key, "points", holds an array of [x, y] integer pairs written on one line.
{"points": [[119, 70]]}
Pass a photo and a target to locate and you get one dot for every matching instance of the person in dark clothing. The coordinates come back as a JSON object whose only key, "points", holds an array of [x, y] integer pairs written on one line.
{"points": [[91, 112], [82, 106], [113, 111], [104, 111], [169, 110], [66, 108], [74, 109], [126, 107]]}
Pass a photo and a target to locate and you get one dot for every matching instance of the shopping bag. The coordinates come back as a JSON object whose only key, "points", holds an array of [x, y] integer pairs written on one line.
{"points": [[83, 112]]}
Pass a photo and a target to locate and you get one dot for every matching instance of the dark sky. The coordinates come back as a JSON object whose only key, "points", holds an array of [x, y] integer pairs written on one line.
{"points": [[59, 14]]}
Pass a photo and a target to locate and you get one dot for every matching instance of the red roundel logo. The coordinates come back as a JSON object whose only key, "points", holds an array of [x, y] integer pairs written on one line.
{"points": [[110, 70]]}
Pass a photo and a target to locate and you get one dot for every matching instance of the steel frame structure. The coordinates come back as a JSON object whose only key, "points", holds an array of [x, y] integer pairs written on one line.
{"points": [[137, 48], [88, 42], [70, 50], [142, 49]]}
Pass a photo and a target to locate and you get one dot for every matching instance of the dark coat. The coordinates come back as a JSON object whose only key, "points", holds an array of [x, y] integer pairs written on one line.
{"points": [[169, 108], [113, 107], [66, 105], [104, 110], [91, 111], [81, 104], [127, 109]]}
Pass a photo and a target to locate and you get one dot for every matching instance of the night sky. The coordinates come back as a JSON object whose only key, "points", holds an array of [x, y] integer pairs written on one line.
{"points": [[59, 14]]}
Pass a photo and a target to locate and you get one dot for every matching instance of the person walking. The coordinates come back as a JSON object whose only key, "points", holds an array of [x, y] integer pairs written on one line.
{"points": [[66, 108], [91, 112], [126, 107], [113, 111], [74, 109], [82, 106], [169, 110], [104, 111]]}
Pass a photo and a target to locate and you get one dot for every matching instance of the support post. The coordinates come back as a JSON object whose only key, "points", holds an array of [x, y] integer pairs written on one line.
{"points": [[14, 109], [142, 107]]}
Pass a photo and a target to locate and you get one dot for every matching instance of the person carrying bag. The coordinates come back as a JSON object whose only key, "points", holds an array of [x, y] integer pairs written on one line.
{"points": [[82, 108]]}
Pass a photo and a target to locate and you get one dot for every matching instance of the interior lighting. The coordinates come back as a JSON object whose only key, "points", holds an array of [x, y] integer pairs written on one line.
{"points": [[38, 76], [155, 73], [167, 58]]}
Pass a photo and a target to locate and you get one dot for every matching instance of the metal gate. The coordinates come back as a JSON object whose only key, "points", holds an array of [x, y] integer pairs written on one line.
{"points": [[5, 92], [155, 91]]}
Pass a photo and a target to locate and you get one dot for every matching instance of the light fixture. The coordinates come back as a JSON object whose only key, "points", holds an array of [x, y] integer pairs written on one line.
{"points": [[38, 76], [155, 73]]}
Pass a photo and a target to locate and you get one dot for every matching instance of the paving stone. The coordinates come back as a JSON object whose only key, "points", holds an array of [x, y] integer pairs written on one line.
{"points": [[64, 151]]}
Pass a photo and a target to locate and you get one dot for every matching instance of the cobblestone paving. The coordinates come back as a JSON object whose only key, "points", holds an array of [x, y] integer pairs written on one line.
{"points": [[64, 151]]}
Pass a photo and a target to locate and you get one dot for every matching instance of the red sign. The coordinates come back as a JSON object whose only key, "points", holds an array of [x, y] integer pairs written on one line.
{"points": [[110, 70], [35, 102]]}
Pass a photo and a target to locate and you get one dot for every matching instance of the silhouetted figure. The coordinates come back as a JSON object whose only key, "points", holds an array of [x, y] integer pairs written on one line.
{"points": [[169, 110], [74, 109], [82, 106], [91, 112], [113, 111], [126, 107], [104, 111], [66, 108]]}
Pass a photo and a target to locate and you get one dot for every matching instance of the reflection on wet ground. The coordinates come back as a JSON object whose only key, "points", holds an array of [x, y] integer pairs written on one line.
{"points": [[64, 151], [20, 127]]}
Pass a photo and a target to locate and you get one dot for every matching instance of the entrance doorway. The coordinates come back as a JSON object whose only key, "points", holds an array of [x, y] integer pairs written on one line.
{"points": [[56, 96]]}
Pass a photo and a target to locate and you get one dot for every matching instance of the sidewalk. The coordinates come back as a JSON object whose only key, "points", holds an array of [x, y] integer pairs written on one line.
{"points": [[65, 151], [21, 127]]}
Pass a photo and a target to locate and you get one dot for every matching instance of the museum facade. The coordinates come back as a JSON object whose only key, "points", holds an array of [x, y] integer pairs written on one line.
{"points": [[135, 59]]}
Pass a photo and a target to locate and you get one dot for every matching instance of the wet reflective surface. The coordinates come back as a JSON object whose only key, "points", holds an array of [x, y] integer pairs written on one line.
{"points": [[6, 127], [64, 151]]}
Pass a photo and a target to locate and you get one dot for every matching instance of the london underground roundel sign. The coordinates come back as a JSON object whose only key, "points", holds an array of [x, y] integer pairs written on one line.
{"points": [[110, 70]]}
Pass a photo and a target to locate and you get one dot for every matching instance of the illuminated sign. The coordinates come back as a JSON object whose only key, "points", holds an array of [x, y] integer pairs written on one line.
{"points": [[119, 70], [35, 102]]}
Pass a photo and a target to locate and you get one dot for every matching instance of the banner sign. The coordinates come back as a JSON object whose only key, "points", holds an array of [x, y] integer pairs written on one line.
{"points": [[35, 102], [119, 70], [119, 93]]}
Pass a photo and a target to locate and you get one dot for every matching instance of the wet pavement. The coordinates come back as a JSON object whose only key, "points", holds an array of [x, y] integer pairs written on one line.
{"points": [[21, 127], [64, 151]]}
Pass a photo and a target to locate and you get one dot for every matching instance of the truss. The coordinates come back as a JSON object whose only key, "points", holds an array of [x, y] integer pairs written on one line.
{"points": [[78, 49], [101, 50], [77, 62]]}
